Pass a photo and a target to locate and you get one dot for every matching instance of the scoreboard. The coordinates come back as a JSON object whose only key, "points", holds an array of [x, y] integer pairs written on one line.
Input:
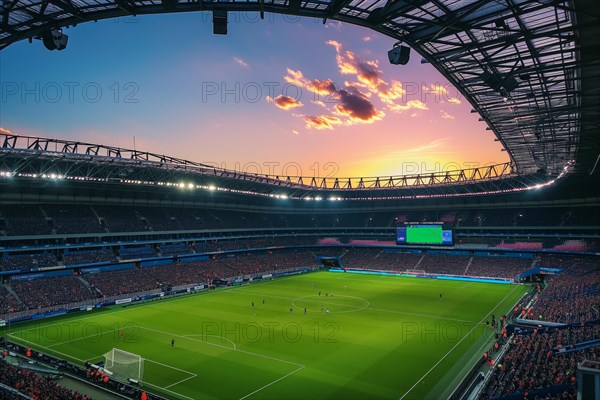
{"points": [[425, 233]]}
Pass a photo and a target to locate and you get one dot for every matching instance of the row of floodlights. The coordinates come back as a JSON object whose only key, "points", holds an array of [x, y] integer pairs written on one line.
{"points": [[212, 188]]}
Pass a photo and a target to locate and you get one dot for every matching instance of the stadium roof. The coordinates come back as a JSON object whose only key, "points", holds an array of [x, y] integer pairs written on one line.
{"points": [[520, 63], [41, 159]]}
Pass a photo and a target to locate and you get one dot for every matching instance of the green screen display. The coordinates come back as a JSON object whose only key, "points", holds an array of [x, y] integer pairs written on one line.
{"points": [[424, 234]]}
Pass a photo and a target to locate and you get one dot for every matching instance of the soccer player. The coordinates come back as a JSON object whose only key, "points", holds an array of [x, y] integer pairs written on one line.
{"points": [[304, 310], [291, 309], [252, 304], [172, 343], [327, 310]]}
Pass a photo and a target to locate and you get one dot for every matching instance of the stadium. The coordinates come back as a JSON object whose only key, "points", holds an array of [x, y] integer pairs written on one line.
{"points": [[132, 274]]}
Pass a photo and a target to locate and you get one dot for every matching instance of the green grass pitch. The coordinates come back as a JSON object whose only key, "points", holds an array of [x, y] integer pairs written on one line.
{"points": [[383, 338]]}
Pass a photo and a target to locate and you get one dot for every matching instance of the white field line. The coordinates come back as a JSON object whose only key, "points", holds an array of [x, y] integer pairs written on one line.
{"points": [[456, 345], [368, 307], [192, 375], [225, 290], [217, 336], [167, 390], [269, 384], [300, 366], [223, 347], [44, 347], [83, 337], [181, 381], [422, 315]]}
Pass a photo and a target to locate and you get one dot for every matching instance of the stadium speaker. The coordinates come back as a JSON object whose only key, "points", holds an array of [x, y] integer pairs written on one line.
{"points": [[55, 39], [399, 54], [510, 83], [220, 22], [491, 80]]}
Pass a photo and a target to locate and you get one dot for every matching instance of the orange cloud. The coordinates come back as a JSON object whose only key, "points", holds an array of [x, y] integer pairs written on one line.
{"points": [[390, 92], [367, 72], [295, 77], [454, 100], [285, 102], [5, 131], [321, 121], [322, 88]]}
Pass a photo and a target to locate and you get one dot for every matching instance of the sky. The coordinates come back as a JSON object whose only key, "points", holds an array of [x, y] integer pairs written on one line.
{"points": [[283, 96]]}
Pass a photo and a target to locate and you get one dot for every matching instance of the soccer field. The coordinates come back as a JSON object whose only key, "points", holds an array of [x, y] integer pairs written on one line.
{"points": [[383, 337]]}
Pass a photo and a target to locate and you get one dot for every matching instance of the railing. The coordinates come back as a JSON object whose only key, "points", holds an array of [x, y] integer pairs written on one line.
{"points": [[97, 152]]}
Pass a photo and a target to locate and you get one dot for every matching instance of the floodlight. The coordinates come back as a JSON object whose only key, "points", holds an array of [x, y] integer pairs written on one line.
{"points": [[399, 54], [55, 39]]}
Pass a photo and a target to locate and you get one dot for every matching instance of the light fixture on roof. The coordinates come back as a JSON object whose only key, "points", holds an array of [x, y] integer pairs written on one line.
{"points": [[55, 39], [399, 54]]}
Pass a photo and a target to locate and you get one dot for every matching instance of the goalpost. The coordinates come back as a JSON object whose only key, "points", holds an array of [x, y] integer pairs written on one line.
{"points": [[124, 365]]}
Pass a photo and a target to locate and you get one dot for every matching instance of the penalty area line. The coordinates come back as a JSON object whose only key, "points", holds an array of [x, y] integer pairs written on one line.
{"points": [[44, 347], [168, 390], [272, 383], [457, 343]]}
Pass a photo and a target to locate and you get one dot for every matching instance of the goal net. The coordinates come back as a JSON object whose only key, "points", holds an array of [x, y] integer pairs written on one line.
{"points": [[124, 365]]}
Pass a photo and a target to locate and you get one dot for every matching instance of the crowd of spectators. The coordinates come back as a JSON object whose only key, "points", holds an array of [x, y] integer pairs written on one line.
{"points": [[380, 259], [8, 303], [40, 219], [533, 362], [131, 280], [444, 264], [88, 256], [571, 296], [361, 258], [25, 220], [46, 292], [27, 262], [498, 267], [34, 385], [122, 219], [253, 243], [73, 218], [160, 220]]}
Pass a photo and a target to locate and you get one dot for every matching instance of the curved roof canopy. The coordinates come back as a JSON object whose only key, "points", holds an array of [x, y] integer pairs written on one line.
{"points": [[516, 61]]}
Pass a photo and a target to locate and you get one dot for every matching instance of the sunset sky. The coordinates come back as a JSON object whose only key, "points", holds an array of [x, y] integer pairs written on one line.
{"points": [[286, 95]]}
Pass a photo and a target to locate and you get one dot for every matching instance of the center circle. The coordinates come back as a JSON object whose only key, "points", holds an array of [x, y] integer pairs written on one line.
{"points": [[337, 304]]}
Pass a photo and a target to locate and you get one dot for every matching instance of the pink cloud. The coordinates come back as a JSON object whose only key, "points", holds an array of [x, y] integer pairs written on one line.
{"points": [[240, 62], [356, 107], [320, 122]]}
